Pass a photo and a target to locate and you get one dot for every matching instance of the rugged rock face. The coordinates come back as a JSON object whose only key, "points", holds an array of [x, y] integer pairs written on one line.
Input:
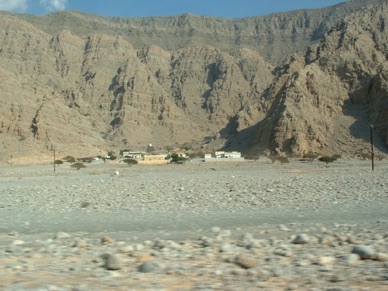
{"points": [[325, 99], [86, 84]]}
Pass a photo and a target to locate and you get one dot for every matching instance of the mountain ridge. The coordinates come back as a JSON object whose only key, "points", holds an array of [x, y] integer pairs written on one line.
{"points": [[86, 94]]}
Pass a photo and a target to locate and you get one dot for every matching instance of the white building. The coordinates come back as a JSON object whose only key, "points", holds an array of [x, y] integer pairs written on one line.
{"points": [[230, 155]]}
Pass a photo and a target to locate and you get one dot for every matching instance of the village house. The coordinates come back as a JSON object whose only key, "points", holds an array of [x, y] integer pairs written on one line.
{"points": [[154, 160], [133, 155], [222, 156], [232, 155]]}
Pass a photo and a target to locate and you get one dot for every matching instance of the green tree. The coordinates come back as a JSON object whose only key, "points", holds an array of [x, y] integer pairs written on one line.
{"points": [[130, 162], [327, 159], [78, 166], [176, 159], [112, 155], [69, 159], [58, 162]]}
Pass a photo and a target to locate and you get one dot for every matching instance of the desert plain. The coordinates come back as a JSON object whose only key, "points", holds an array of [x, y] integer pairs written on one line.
{"points": [[249, 225]]}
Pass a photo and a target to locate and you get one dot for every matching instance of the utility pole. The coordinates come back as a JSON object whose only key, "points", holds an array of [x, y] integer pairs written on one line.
{"points": [[54, 158], [372, 150]]}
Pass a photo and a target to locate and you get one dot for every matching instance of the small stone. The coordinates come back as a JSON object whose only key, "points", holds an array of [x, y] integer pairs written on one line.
{"points": [[365, 252], [277, 271], [283, 227], [327, 240], [351, 259], [138, 247], [225, 233], [381, 257], [113, 263], [216, 229], [61, 235], [17, 242], [245, 261], [351, 240], [144, 259], [80, 243], [325, 260], [127, 249], [301, 239], [226, 248], [148, 267], [106, 240]]}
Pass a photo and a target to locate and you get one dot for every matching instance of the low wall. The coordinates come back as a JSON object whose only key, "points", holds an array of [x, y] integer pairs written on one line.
{"points": [[212, 160]]}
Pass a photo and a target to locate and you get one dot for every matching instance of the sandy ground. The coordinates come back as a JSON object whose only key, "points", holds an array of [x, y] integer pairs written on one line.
{"points": [[140, 205]]}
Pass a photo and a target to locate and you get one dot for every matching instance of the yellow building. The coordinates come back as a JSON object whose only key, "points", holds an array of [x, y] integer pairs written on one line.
{"points": [[154, 160]]}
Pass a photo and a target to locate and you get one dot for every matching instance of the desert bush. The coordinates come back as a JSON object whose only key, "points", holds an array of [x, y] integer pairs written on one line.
{"points": [[365, 156], [58, 162], [86, 159], [282, 160], [310, 156], [85, 204], [112, 156], [78, 166], [176, 159], [130, 162], [379, 157], [69, 159], [199, 154], [337, 156], [327, 159]]}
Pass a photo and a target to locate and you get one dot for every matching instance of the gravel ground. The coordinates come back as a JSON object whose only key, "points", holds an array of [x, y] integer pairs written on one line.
{"points": [[223, 226]]}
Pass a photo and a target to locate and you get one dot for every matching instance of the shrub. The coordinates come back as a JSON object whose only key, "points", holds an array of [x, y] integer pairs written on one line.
{"points": [[327, 159], [337, 156], [282, 160], [199, 154], [85, 204], [86, 159], [58, 162], [112, 155], [310, 156], [130, 162], [365, 156], [69, 159], [176, 159], [78, 166]]}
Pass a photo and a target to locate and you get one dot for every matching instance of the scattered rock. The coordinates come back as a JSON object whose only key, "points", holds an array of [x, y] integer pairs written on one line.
{"points": [[351, 259], [148, 267], [301, 239], [113, 262], [381, 257], [365, 252], [80, 243], [106, 240], [61, 235], [246, 261]]}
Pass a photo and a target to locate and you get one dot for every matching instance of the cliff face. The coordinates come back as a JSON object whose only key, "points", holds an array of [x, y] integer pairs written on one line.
{"points": [[273, 36], [86, 84], [325, 98]]}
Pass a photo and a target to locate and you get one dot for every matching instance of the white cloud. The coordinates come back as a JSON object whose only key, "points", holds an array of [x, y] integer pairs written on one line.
{"points": [[14, 5], [53, 5]]}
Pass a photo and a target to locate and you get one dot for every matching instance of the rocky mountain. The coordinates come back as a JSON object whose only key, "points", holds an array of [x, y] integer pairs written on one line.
{"points": [[310, 80], [325, 98]]}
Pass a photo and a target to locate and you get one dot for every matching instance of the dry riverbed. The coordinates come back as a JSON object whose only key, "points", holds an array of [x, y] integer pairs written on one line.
{"points": [[226, 226]]}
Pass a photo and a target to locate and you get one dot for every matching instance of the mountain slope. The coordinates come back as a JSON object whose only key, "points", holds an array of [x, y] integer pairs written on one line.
{"points": [[86, 84], [318, 93]]}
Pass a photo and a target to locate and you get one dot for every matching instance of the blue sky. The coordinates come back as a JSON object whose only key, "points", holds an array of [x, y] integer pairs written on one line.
{"points": [[142, 8]]}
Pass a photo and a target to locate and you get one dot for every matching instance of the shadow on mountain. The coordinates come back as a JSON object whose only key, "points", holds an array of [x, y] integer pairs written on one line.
{"points": [[360, 129]]}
